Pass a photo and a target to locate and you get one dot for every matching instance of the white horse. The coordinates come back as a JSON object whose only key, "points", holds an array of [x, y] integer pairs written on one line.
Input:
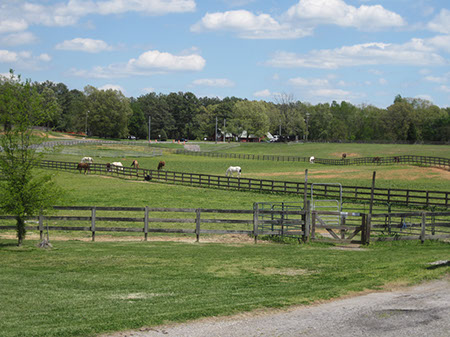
{"points": [[117, 166], [312, 159], [233, 169], [87, 160]]}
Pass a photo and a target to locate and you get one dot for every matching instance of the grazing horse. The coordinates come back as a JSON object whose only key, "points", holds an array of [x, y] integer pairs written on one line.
{"points": [[84, 166], [161, 165], [344, 155], [135, 164], [312, 159], [87, 160], [377, 160], [233, 169], [117, 166], [396, 159], [147, 177]]}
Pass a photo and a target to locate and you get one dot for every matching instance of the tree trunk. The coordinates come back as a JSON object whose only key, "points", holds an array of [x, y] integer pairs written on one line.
{"points": [[20, 230]]}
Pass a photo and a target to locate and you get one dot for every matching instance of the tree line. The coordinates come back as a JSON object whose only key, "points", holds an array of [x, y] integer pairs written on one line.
{"points": [[109, 114]]}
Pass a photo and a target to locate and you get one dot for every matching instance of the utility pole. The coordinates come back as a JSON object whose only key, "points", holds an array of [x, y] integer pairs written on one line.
{"points": [[149, 124], [216, 129], [85, 126]]}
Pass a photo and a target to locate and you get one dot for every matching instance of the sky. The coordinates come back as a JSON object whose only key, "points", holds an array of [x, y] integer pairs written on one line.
{"points": [[315, 51]]}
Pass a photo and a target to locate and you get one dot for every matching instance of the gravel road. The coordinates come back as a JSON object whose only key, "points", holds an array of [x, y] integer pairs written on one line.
{"points": [[422, 310]]}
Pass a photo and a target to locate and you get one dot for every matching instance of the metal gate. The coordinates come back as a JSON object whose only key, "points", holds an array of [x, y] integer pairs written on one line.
{"points": [[328, 205], [272, 217]]}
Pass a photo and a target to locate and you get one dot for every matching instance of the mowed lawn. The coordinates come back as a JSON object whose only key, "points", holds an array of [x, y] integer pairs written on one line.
{"points": [[83, 289]]}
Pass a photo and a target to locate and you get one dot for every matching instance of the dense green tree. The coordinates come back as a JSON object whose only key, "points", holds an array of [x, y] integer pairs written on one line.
{"points": [[108, 114], [24, 190], [250, 116]]}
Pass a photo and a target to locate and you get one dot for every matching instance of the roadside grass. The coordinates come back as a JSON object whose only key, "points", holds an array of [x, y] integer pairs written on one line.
{"points": [[83, 289]]}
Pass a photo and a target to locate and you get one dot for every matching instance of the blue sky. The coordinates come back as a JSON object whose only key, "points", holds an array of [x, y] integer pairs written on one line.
{"points": [[360, 51]]}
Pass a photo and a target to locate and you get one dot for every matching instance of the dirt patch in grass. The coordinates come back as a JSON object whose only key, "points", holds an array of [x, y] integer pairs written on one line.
{"points": [[349, 154], [231, 239], [407, 173]]}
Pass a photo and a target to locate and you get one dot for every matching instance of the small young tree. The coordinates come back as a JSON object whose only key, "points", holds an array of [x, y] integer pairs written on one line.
{"points": [[24, 191]]}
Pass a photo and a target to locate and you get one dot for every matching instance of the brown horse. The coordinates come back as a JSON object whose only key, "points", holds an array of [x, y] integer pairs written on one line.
{"points": [[161, 165], [84, 166], [377, 160], [135, 164], [396, 159], [344, 155]]}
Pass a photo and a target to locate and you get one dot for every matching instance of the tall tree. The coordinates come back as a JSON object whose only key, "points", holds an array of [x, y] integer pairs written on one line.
{"points": [[108, 114], [24, 190], [250, 116]]}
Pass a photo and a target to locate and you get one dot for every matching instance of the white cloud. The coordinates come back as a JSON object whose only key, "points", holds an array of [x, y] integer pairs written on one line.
{"points": [[249, 26], [115, 87], [214, 82], [148, 63], [262, 93], [382, 81], [157, 60], [303, 82], [16, 39], [417, 52], [441, 22], [21, 13], [8, 56], [339, 13], [332, 94], [444, 88], [148, 90], [12, 25], [85, 45], [45, 57], [23, 59]]}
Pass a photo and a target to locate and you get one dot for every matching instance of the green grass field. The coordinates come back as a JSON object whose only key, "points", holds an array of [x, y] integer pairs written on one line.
{"points": [[389, 176], [81, 288]]}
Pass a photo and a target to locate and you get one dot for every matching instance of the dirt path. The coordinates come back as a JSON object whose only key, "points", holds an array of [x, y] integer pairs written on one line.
{"points": [[422, 310]]}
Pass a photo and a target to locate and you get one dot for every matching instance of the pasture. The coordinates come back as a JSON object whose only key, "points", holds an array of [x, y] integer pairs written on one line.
{"points": [[392, 176], [81, 288]]}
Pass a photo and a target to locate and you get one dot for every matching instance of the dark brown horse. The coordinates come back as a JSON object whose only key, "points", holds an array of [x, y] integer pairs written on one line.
{"points": [[84, 166], [161, 165], [377, 160], [135, 164], [344, 155], [396, 159]]}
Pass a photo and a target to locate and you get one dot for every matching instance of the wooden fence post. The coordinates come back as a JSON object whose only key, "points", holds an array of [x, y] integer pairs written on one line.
{"points": [[313, 225], [422, 232], [363, 229], [305, 190], [368, 225], [146, 223], [93, 223], [41, 225], [197, 223], [307, 224], [255, 221]]}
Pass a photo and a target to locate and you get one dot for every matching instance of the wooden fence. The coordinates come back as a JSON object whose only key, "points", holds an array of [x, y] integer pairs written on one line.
{"points": [[363, 228], [250, 221], [404, 197], [443, 163], [305, 225]]}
